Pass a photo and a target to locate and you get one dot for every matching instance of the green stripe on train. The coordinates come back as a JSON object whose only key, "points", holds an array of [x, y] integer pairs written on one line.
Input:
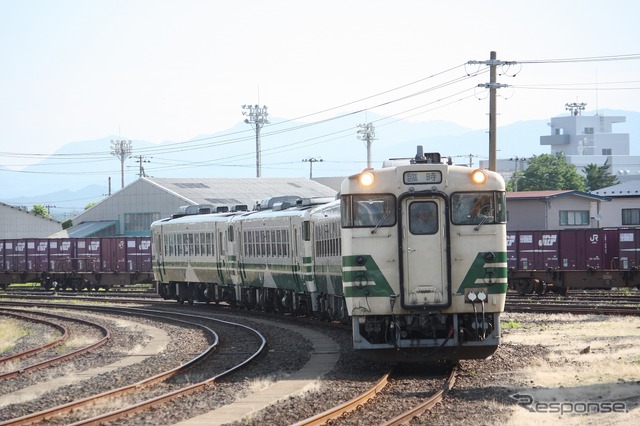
{"points": [[366, 280], [484, 273]]}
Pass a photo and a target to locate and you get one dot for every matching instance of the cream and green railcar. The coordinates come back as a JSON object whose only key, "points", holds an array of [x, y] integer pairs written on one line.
{"points": [[283, 257], [190, 252], [424, 260]]}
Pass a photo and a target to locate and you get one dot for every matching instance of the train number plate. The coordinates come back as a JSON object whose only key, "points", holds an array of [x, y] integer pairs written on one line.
{"points": [[412, 178]]}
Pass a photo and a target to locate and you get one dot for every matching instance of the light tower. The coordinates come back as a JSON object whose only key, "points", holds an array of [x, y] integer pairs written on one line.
{"points": [[367, 133], [257, 117], [122, 150], [575, 108]]}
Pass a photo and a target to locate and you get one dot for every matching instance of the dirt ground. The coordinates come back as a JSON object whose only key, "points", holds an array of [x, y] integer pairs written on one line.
{"points": [[589, 374]]}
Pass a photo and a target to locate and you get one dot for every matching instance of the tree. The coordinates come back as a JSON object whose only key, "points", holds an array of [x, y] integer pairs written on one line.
{"points": [[40, 210], [91, 204], [597, 177], [550, 172], [67, 224]]}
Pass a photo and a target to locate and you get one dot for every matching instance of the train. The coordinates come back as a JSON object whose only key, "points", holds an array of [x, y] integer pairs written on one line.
{"points": [[412, 256], [76, 263], [587, 258]]}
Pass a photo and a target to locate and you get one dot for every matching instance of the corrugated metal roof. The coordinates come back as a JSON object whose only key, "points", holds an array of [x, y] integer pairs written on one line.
{"points": [[235, 191], [84, 229], [628, 188]]}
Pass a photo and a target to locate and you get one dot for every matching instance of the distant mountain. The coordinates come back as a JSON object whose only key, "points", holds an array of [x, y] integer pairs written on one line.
{"points": [[85, 171]]}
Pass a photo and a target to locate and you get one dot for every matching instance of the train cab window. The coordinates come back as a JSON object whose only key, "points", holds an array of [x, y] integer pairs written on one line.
{"points": [[423, 218], [364, 211], [475, 208]]}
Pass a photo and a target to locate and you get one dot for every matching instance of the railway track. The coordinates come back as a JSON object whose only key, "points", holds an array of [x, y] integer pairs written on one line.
{"points": [[360, 409], [160, 388], [598, 302], [62, 331], [50, 359]]}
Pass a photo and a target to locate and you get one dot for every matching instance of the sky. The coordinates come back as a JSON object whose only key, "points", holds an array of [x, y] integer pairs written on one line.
{"points": [[157, 70]]}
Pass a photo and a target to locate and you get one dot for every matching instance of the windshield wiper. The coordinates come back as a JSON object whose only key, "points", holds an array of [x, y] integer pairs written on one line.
{"points": [[386, 215]]}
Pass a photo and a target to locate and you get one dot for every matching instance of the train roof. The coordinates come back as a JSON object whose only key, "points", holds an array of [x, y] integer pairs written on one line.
{"points": [[237, 191], [282, 206]]}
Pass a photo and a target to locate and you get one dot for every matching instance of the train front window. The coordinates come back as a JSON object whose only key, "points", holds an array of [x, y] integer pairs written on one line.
{"points": [[474, 208], [364, 211]]}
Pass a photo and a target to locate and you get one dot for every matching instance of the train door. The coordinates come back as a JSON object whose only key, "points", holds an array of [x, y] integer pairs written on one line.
{"points": [[157, 253], [424, 282], [297, 250], [224, 257]]}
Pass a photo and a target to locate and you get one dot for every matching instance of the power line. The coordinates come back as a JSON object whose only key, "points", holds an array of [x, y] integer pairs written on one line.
{"points": [[236, 137]]}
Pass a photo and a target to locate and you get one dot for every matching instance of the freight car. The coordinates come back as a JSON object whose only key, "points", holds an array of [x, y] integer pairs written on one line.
{"points": [[412, 255], [573, 258], [76, 263]]}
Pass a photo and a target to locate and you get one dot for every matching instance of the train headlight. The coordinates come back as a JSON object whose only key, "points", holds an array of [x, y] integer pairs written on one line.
{"points": [[479, 176], [366, 179]]}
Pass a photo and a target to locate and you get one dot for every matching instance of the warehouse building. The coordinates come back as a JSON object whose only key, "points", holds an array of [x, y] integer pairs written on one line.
{"points": [[131, 210], [18, 223]]}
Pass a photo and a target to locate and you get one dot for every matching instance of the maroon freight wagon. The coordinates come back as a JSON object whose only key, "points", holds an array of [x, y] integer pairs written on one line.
{"points": [[76, 263], [576, 258], [629, 249]]}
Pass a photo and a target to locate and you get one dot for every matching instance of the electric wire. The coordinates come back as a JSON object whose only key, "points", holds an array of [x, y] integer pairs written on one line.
{"points": [[243, 136]]}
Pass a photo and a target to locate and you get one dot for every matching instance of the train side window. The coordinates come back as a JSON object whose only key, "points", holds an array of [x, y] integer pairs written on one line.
{"points": [[285, 235], [196, 242], [278, 241], [346, 211], [262, 238], [273, 243], [306, 231]]}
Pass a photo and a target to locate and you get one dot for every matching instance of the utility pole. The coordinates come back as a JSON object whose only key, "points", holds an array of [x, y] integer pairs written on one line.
{"points": [[515, 171], [141, 159], [492, 86], [256, 116], [49, 207], [311, 161], [122, 150], [367, 133], [470, 158]]}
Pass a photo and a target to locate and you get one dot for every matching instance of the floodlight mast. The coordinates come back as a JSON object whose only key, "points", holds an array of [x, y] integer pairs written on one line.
{"points": [[367, 133], [122, 150], [257, 117]]}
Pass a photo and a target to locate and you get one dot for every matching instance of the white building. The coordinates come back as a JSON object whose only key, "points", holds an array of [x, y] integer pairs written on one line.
{"points": [[588, 140], [584, 140]]}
